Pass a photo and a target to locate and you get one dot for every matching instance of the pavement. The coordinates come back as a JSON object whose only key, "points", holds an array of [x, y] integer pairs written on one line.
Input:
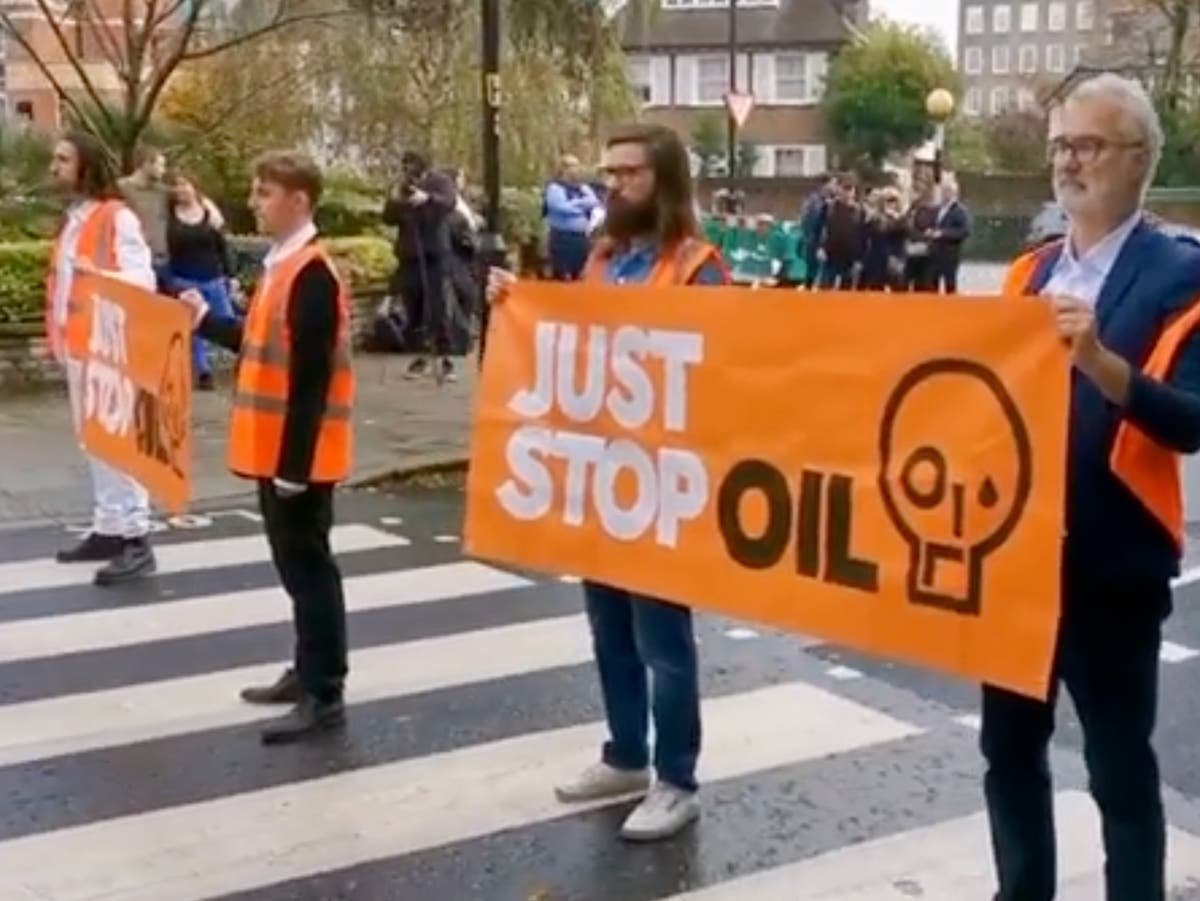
{"points": [[398, 423], [129, 769]]}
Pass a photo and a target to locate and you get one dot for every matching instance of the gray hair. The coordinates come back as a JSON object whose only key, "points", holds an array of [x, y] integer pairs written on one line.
{"points": [[1131, 96]]}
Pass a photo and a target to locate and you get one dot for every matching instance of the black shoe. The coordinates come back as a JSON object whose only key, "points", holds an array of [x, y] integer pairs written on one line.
{"points": [[417, 368], [135, 560], [446, 372], [308, 718], [93, 549], [286, 690], [205, 382]]}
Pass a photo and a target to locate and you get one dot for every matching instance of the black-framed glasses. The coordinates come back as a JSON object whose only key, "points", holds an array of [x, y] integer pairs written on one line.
{"points": [[1085, 148]]}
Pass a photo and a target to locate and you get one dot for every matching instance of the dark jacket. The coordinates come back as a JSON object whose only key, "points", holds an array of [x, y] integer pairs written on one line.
{"points": [[1113, 543], [953, 227], [845, 234], [422, 229]]}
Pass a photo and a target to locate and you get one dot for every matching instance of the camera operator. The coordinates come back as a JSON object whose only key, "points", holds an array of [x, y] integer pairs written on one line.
{"points": [[420, 206]]}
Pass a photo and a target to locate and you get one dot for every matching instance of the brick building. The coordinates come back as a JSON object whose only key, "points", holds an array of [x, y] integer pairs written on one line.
{"points": [[679, 60]]}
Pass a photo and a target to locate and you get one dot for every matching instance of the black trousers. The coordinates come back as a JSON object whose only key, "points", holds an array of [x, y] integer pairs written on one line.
{"points": [[298, 532], [1107, 657], [423, 285]]}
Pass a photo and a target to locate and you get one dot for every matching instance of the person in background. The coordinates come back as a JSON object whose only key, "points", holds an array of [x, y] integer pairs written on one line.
{"points": [[843, 238], [199, 258], [291, 432], [101, 232], [570, 207], [918, 249], [148, 194], [812, 226], [950, 230], [883, 259], [651, 237], [420, 206], [1125, 298], [464, 226]]}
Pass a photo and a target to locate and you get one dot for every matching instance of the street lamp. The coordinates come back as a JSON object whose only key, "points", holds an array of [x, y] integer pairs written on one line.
{"points": [[939, 106]]}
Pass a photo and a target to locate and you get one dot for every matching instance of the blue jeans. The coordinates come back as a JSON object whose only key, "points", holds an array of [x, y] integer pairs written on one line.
{"points": [[568, 254], [631, 634], [216, 295]]}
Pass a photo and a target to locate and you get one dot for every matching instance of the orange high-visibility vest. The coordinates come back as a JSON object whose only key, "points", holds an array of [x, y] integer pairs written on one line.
{"points": [[260, 399], [1152, 472], [677, 266], [95, 244]]}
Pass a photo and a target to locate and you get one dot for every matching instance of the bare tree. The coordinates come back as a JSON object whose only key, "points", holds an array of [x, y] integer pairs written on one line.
{"points": [[152, 39]]}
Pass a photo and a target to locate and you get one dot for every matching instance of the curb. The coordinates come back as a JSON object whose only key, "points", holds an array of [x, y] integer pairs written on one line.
{"points": [[419, 465]]}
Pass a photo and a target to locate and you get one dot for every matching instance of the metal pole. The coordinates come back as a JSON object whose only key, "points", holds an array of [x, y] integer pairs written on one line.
{"points": [[731, 154], [491, 246]]}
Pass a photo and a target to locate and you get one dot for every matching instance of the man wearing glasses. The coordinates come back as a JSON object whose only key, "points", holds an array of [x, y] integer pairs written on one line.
{"points": [[1126, 297]]}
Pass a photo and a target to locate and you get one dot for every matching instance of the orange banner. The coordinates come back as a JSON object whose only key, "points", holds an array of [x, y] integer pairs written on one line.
{"points": [[137, 408], [883, 472]]}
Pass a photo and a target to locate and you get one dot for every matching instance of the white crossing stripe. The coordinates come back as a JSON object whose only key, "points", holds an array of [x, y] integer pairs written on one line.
{"points": [[70, 724], [99, 629], [264, 837], [28, 575], [1170, 652], [949, 861]]}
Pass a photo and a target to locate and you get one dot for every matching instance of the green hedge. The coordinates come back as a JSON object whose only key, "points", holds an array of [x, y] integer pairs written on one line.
{"points": [[363, 261]]}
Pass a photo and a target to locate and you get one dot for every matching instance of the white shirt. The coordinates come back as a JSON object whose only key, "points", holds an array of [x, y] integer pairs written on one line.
{"points": [[281, 250], [1084, 277], [135, 264]]}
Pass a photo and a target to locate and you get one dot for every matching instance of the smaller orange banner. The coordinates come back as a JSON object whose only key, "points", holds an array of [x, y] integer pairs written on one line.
{"points": [[137, 385]]}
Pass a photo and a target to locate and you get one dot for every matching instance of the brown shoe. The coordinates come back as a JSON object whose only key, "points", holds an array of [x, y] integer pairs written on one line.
{"points": [[308, 718], [285, 691]]}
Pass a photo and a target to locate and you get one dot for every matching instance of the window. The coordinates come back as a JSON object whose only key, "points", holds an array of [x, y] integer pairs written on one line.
{"points": [[1055, 58], [791, 77], [25, 110], [799, 160], [799, 77], [1025, 100], [1000, 60], [974, 20], [1079, 51], [973, 102], [1029, 17], [1027, 59], [712, 79], [1085, 15], [1001, 19], [1056, 16], [639, 77], [999, 101], [973, 60]]}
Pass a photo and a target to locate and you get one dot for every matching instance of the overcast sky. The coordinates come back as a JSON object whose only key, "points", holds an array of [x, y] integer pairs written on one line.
{"points": [[940, 15]]}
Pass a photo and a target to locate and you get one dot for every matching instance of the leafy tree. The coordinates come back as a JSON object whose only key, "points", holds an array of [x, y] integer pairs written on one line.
{"points": [[967, 146], [709, 141], [1017, 141], [877, 85]]}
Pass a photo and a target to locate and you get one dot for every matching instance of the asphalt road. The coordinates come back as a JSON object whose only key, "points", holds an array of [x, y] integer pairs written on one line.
{"points": [[129, 770]]}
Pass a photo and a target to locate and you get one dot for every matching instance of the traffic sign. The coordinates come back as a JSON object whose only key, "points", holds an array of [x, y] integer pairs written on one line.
{"points": [[739, 106]]}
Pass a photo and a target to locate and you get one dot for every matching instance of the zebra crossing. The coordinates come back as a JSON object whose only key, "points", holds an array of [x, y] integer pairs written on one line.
{"points": [[130, 770]]}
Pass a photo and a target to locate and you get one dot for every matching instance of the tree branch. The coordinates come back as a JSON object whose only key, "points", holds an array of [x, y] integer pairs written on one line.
{"points": [[278, 23], [72, 58], [106, 37]]}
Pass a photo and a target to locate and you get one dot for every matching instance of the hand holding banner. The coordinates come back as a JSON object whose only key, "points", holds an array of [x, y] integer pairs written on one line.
{"points": [[881, 471], [137, 409]]}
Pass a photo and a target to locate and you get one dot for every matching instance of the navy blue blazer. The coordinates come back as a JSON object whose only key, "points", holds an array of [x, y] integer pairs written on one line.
{"points": [[1114, 546]]}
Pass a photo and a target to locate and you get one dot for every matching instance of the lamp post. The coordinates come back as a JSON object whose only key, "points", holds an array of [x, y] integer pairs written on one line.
{"points": [[491, 244], [731, 152], [939, 106]]}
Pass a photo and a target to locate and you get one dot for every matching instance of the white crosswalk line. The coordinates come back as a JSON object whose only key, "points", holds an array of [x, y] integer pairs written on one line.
{"points": [[187, 556], [256, 839], [95, 630], [948, 861], [70, 724]]}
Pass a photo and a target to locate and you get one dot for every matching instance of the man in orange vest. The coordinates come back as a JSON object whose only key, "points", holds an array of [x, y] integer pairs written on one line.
{"points": [[1127, 299], [651, 236], [99, 232], [291, 432]]}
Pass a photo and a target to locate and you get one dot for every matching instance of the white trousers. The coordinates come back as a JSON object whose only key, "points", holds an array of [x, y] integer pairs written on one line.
{"points": [[120, 505]]}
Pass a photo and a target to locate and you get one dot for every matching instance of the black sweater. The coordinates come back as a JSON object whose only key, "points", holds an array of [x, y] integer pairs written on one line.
{"points": [[312, 325]]}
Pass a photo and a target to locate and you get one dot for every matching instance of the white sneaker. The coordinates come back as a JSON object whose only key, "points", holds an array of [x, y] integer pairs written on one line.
{"points": [[603, 781], [663, 812]]}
